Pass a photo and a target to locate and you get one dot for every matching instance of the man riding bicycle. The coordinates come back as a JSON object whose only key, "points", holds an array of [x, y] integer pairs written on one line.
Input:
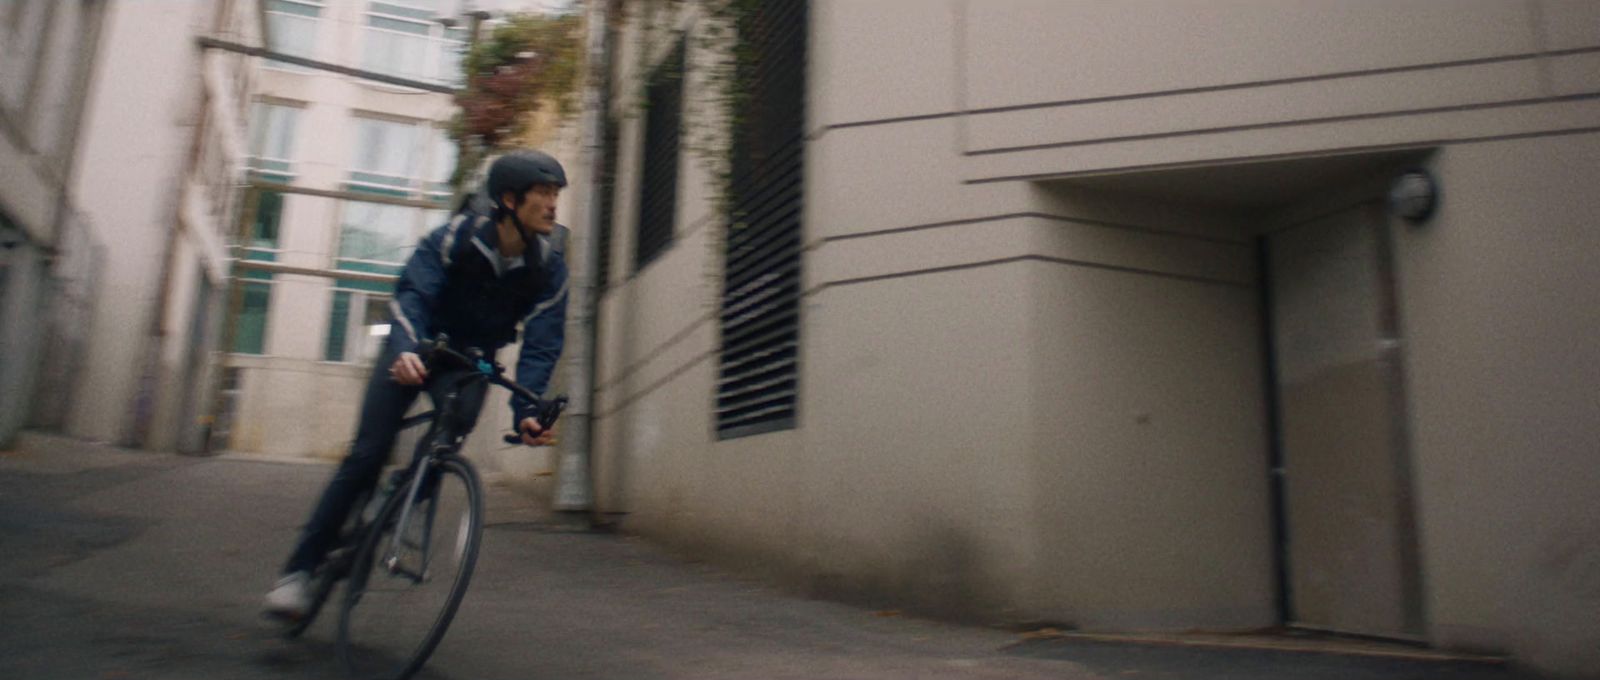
{"points": [[497, 263]]}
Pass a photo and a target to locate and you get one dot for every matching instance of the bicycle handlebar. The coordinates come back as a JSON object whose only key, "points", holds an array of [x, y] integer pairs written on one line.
{"points": [[546, 410]]}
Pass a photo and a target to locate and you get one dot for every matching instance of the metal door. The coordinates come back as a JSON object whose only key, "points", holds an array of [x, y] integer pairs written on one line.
{"points": [[1348, 519]]}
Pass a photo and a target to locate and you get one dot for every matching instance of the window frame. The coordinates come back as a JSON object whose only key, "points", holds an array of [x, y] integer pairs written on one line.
{"points": [[356, 331], [656, 216], [436, 38], [314, 19], [757, 388]]}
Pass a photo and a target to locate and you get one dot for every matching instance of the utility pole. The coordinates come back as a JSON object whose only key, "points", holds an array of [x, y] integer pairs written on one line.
{"points": [[574, 483]]}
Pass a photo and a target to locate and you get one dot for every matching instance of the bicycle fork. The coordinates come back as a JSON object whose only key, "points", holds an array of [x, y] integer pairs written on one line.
{"points": [[391, 557]]}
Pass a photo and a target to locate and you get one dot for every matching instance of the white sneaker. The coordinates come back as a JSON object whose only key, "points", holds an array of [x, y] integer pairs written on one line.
{"points": [[290, 598]]}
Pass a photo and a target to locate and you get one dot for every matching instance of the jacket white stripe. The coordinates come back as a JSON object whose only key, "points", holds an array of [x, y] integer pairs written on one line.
{"points": [[400, 316], [494, 260], [547, 304], [450, 238]]}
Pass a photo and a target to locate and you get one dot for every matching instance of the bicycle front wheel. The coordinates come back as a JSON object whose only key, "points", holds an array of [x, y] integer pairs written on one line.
{"points": [[411, 572]]}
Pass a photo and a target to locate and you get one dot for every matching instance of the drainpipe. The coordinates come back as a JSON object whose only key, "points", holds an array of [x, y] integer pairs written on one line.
{"points": [[574, 484], [148, 391]]}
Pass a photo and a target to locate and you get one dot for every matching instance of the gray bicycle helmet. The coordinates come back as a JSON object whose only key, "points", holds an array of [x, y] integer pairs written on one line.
{"points": [[517, 171]]}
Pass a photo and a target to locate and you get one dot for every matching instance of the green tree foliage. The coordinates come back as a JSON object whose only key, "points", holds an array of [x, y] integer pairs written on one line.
{"points": [[530, 60]]}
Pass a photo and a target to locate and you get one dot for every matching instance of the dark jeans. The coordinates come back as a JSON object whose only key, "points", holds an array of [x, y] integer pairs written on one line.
{"points": [[382, 409]]}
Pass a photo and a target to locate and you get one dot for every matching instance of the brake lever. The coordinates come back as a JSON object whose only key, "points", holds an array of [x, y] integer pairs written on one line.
{"points": [[549, 411]]}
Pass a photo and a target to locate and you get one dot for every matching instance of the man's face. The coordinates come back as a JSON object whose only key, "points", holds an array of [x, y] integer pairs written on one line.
{"points": [[537, 208]]}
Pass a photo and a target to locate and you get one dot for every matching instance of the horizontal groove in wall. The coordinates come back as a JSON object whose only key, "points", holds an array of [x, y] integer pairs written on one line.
{"points": [[1025, 258], [1320, 120], [1038, 215], [678, 239], [629, 400], [889, 121], [696, 225], [1419, 144], [1209, 88], [1321, 77], [625, 402], [661, 382], [657, 352]]}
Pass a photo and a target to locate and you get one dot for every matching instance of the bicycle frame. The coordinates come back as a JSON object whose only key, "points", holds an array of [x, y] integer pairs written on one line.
{"points": [[435, 458], [442, 443]]}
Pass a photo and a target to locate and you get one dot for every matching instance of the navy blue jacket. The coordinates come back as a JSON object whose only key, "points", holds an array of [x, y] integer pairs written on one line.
{"points": [[456, 283]]}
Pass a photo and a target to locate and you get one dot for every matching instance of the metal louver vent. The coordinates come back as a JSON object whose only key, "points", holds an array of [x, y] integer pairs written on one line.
{"points": [[759, 370], [658, 183]]}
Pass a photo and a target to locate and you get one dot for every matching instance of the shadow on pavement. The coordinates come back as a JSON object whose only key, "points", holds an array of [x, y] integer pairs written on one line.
{"points": [[1177, 662]]}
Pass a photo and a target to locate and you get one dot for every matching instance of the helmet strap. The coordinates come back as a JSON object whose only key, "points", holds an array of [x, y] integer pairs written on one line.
{"points": [[521, 228]]}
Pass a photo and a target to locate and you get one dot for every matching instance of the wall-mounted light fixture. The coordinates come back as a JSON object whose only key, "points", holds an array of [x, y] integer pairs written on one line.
{"points": [[1413, 196]]}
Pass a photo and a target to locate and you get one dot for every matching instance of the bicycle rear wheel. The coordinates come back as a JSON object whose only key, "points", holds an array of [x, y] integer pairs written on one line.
{"points": [[402, 595]]}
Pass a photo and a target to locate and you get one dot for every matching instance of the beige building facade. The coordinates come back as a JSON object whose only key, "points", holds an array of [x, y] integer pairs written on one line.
{"points": [[1106, 319], [293, 376], [318, 267]]}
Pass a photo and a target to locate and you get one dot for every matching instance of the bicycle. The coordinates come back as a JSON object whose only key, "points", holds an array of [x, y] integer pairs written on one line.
{"points": [[390, 556]]}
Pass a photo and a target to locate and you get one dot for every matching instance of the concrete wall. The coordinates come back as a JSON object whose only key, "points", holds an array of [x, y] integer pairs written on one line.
{"points": [[1032, 365], [291, 402], [1145, 88], [1148, 467], [1499, 307]]}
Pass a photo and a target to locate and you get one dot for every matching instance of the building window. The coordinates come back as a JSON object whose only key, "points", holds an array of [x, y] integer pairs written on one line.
{"points": [[272, 133], [374, 238], [387, 154], [404, 38], [358, 323], [381, 233], [658, 183], [441, 165], [269, 215], [390, 158], [758, 373], [272, 137], [292, 27], [250, 326]]}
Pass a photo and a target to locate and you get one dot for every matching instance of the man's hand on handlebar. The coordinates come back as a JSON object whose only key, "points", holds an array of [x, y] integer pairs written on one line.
{"points": [[533, 435], [408, 369]]}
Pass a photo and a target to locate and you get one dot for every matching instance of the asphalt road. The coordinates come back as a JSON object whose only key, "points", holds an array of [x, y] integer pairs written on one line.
{"points": [[126, 565]]}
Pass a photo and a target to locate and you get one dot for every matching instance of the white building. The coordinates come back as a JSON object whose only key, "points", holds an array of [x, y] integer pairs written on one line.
{"points": [[296, 364], [158, 162], [311, 321], [48, 260]]}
